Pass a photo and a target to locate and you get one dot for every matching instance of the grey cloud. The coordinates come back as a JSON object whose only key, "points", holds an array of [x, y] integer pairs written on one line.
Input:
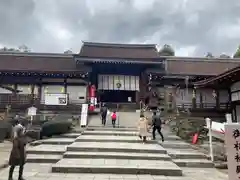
{"points": [[18, 24], [181, 23]]}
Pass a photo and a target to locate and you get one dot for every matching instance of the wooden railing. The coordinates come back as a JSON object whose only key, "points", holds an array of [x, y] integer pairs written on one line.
{"points": [[20, 99], [203, 106]]}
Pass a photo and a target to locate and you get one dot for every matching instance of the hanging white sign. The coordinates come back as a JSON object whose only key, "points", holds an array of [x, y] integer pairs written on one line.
{"points": [[32, 111], [56, 99]]}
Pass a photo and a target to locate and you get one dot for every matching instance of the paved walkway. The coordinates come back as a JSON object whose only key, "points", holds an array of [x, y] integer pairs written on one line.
{"points": [[42, 172], [5, 148], [126, 119]]}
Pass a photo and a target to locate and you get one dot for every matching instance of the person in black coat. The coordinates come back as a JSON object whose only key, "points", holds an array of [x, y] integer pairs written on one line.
{"points": [[103, 112], [157, 125], [18, 154]]}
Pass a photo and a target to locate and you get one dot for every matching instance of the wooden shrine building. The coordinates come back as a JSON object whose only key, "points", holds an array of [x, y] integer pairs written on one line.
{"points": [[121, 73], [229, 82]]}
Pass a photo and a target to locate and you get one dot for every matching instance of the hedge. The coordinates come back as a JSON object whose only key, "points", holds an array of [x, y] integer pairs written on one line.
{"points": [[51, 128]]}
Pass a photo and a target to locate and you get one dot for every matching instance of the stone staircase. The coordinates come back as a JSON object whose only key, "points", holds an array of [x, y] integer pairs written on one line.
{"points": [[115, 151]]}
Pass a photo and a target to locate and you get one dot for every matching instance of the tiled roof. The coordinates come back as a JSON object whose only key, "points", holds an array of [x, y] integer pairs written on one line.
{"points": [[119, 51], [36, 62], [199, 66]]}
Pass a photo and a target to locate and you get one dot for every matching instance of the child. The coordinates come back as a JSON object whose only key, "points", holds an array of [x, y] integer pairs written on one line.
{"points": [[114, 118]]}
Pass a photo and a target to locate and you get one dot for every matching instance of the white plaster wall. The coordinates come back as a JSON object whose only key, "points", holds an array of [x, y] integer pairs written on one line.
{"points": [[50, 89], [5, 91], [25, 89], [235, 86], [77, 94]]}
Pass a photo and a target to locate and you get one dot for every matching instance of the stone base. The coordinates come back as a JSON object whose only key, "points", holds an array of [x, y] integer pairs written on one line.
{"points": [[117, 166], [116, 147], [119, 139], [46, 149], [47, 158], [117, 155], [185, 154], [194, 163]]}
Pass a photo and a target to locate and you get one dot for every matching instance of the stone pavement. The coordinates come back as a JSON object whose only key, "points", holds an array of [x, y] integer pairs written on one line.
{"points": [[40, 171], [125, 119], [5, 149]]}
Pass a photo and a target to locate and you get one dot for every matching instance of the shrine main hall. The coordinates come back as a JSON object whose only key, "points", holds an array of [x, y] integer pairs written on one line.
{"points": [[120, 73]]}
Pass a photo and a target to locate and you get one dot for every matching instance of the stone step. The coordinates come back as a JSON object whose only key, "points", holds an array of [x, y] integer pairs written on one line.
{"points": [[117, 166], [124, 133], [111, 133], [110, 129], [116, 147], [43, 158], [194, 163], [185, 154], [123, 139], [55, 141], [175, 144], [116, 155], [46, 149], [68, 135]]}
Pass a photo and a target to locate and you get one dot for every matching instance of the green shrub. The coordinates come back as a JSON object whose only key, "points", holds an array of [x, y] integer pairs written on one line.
{"points": [[51, 128], [39, 122], [33, 134]]}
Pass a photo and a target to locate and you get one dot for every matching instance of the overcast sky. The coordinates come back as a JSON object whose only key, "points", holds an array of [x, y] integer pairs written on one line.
{"points": [[192, 27]]}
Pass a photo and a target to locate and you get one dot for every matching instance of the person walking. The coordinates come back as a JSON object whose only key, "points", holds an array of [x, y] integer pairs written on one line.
{"points": [[143, 128], [114, 118], [18, 154], [103, 112], [156, 125]]}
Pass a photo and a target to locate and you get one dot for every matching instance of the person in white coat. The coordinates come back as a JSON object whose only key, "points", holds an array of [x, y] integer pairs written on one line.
{"points": [[143, 128]]}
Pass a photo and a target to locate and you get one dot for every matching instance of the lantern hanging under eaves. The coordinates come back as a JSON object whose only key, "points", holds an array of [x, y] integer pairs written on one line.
{"points": [[193, 94], [30, 88], [46, 90], [214, 94]]}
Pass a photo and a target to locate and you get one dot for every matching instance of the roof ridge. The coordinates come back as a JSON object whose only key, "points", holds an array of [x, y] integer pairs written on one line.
{"points": [[36, 54], [118, 45]]}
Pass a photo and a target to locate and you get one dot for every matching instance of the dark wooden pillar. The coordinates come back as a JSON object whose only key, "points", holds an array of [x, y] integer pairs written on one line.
{"points": [[194, 103], [201, 100], [65, 85], [15, 88], [217, 99], [231, 106], [32, 87], [39, 96]]}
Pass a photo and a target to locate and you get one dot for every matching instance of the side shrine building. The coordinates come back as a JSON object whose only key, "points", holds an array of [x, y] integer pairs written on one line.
{"points": [[120, 73]]}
